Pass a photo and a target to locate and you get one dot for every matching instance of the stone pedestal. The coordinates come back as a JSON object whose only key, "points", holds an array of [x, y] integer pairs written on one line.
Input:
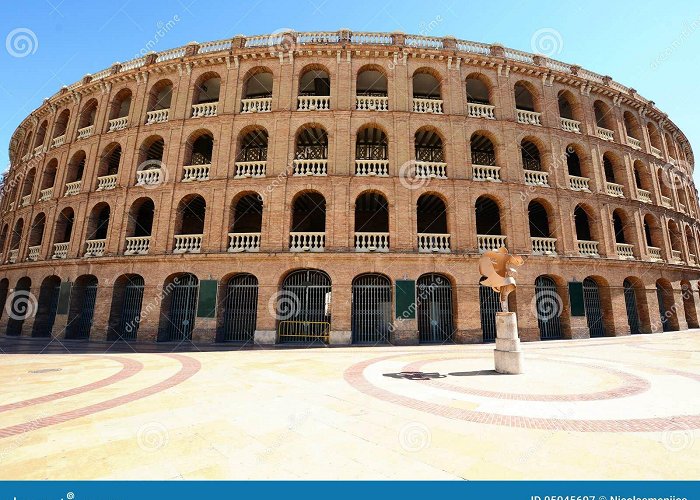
{"points": [[337, 337], [507, 355], [265, 337]]}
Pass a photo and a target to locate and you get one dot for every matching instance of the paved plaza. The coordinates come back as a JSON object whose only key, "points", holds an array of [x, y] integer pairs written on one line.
{"points": [[617, 408]]}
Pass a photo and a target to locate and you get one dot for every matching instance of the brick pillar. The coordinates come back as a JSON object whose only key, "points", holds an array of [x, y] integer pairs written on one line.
{"points": [[468, 320], [528, 327], [100, 317], [652, 301], [679, 306], [266, 324], [619, 312], [150, 313], [341, 310]]}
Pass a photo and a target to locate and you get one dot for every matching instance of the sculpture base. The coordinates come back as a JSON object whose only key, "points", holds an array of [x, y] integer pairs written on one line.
{"points": [[507, 356]]}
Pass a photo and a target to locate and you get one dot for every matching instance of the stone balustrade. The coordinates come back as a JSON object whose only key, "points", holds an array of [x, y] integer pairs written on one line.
{"points": [[427, 105], [106, 182], [654, 254], [33, 253], [191, 173], [543, 246], [95, 248], [149, 177], [371, 103], [613, 189], [137, 245], [13, 255], [484, 173], [666, 202], [371, 242], [634, 143], [430, 170], [187, 243], [46, 194], [489, 242], [569, 125], [205, 109], [605, 134], [24, 201], [57, 141], [676, 257], [528, 117], [370, 168], [259, 105], [476, 110], [246, 169], [243, 242], [434, 242], [307, 241], [536, 178], [39, 150], [625, 251], [587, 248], [310, 167], [314, 103], [118, 124], [656, 152], [644, 195], [157, 116], [72, 188], [578, 183], [60, 250], [86, 132]]}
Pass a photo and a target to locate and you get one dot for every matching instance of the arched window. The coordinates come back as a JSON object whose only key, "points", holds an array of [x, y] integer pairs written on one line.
{"points": [[655, 139], [540, 234], [429, 150], [86, 119], [41, 134], [76, 167], [371, 152], [59, 130], [179, 308], [431, 218], [251, 159], [604, 120], [427, 97], [530, 155], [36, 236], [198, 150], [568, 110], [524, 97], [371, 90], [257, 91], [311, 154], [586, 234], [478, 89], [632, 129], [159, 100], [246, 224], [308, 232], [371, 223], [98, 222], [82, 307], [119, 111], [488, 225], [206, 95], [139, 227], [48, 179], [108, 167], [482, 150], [314, 90], [189, 226]]}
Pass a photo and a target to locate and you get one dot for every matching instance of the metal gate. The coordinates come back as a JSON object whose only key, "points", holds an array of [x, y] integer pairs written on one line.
{"points": [[19, 308], [130, 316], [240, 309], [82, 310], [434, 309], [46, 311], [594, 312], [304, 307], [663, 311], [631, 306], [183, 308], [549, 307], [489, 305], [371, 309]]}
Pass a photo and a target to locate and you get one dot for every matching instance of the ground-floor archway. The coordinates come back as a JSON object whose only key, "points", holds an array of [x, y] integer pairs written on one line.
{"points": [[371, 309], [434, 308]]}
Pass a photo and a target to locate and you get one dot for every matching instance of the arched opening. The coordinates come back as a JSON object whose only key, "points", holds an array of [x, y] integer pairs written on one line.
{"points": [[198, 151], [206, 91], [482, 150], [604, 119], [653, 237], [140, 221], [567, 108], [257, 91], [429, 149], [303, 308], [240, 309], [19, 310], [82, 307], [549, 307], [667, 306], [48, 178], [311, 151], [315, 82], [632, 128], [431, 218], [643, 181], [63, 231], [17, 233], [47, 304], [86, 119], [530, 155], [36, 235], [371, 316], [246, 224], [252, 153], [655, 139], [27, 148], [189, 225], [610, 166], [425, 85], [308, 232], [371, 222], [582, 224], [573, 162], [28, 186], [691, 314], [61, 126], [670, 147], [676, 241], [692, 246], [4, 288], [434, 309], [40, 138], [371, 83], [525, 100], [160, 96], [478, 89], [371, 152], [179, 309], [98, 223], [125, 313], [76, 168], [624, 233], [109, 166], [593, 307], [119, 110], [488, 225], [664, 185], [3, 238], [540, 234], [636, 306]]}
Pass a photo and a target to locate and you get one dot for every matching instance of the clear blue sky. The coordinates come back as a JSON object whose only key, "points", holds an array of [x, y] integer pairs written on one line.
{"points": [[620, 39]]}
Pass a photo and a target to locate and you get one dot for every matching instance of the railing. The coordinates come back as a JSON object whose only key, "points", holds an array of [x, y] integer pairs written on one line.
{"points": [[371, 103], [691, 259], [371, 39], [371, 242], [94, 248], [157, 116], [310, 167], [654, 254], [205, 109], [625, 250], [490, 242], [318, 37], [148, 177], [314, 103], [369, 168], [86, 132], [569, 125], [215, 46], [578, 183], [587, 248], [477, 110], [60, 250], [171, 54], [644, 195], [681, 206], [431, 170], [243, 242], [666, 201], [536, 178], [106, 182], [33, 252], [307, 242], [614, 190], [24, 201], [260, 105], [133, 64], [605, 134], [676, 256], [656, 152], [427, 105], [46, 194], [12, 257], [635, 143], [38, 150], [246, 169], [528, 117], [433, 243], [543, 246], [423, 42], [72, 188], [118, 124], [187, 243], [195, 173], [137, 245], [58, 141], [486, 173]]}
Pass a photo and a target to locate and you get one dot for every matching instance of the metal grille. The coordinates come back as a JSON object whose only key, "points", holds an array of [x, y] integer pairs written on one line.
{"points": [[489, 305], [434, 299], [18, 310], [46, 312], [631, 306], [312, 152], [371, 152], [82, 311], [131, 309], [549, 307], [594, 313], [183, 308], [663, 311], [371, 309], [253, 154], [430, 154], [240, 309], [308, 293]]}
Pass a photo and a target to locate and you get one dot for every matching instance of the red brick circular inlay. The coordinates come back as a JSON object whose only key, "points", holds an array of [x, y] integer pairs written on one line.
{"points": [[188, 367], [354, 376]]}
